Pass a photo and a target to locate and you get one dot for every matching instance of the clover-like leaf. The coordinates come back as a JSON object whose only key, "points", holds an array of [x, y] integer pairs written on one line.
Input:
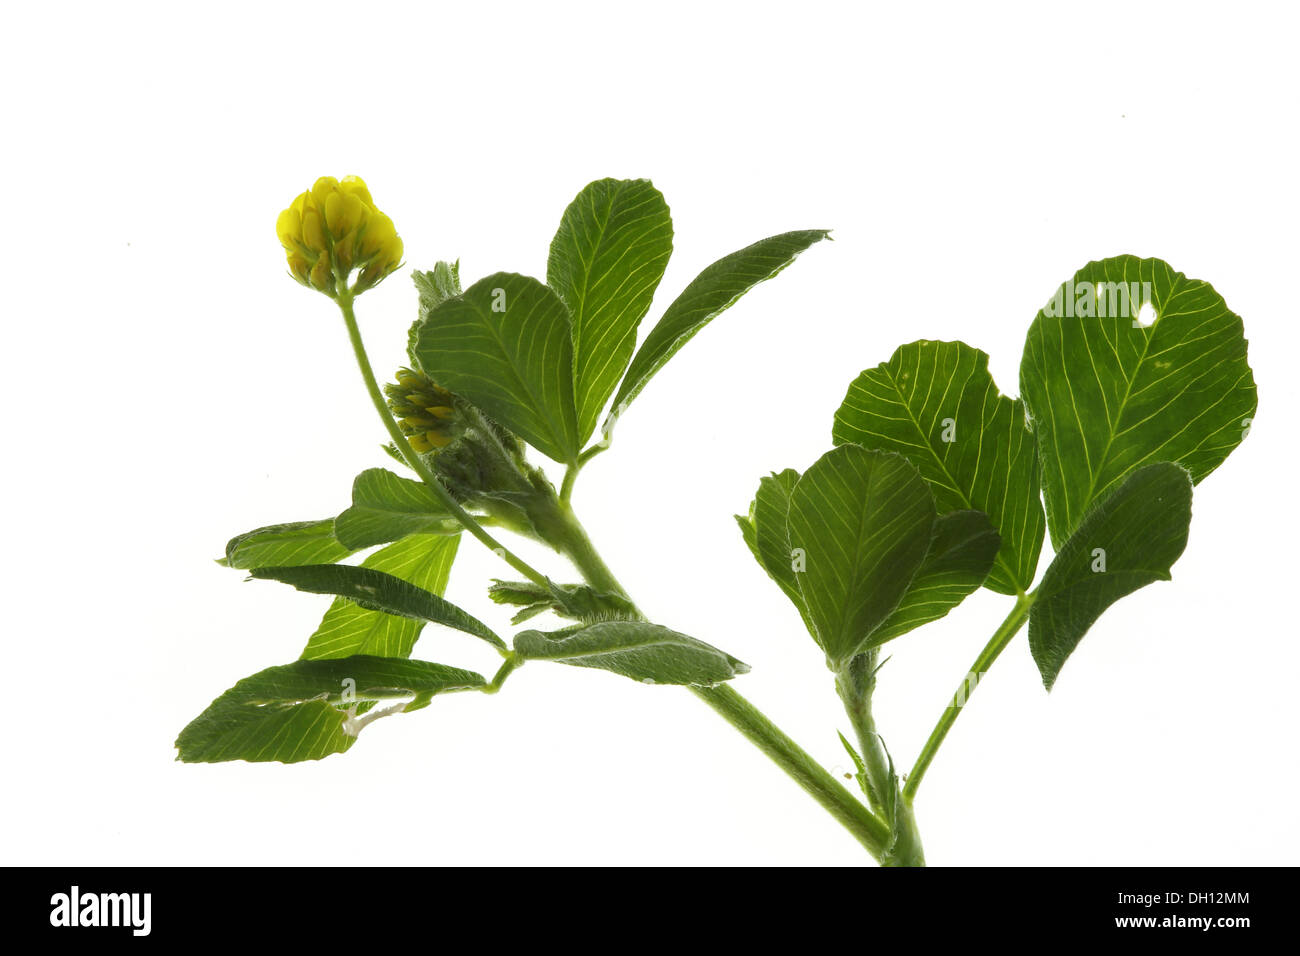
{"points": [[766, 530], [505, 344], [937, 403], [606, 260], [309, 709], [386, 507], [646, 652], [710, 293], [962, 550], [1109, 394], [348, 629], [1127, 540], [295, 542], [863, 522]]}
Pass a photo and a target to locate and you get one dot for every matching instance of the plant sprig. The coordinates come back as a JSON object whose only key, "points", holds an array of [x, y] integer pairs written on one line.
{"points": [[935, 488]]}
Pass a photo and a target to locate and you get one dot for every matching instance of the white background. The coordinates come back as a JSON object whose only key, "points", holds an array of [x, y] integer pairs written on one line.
{"points": [[166, 386]]}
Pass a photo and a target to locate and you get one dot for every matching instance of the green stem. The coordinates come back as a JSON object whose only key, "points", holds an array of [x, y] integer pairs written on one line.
{"points": [[512, 662], [571, 539], [744, 716], [1000, 639], [571, 473], [802, 768], [403, 447], [855, 684]]}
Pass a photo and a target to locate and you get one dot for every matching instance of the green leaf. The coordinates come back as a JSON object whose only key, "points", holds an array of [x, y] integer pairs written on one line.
{"points": [[710, 293], [1127, 540], [606, 260], [962, 551], [348, 628], [936, 403], [645, 652], [433, 288], [505, 345], [300, 711], [1108, 395], [436, 286], [297, 542], [863, 521], [767, 533], [576, 601], [378, 591], [386, 507]]}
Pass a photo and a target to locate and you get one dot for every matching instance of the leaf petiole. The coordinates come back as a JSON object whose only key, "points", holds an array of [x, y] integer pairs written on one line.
{"points": [[1000, 639]]}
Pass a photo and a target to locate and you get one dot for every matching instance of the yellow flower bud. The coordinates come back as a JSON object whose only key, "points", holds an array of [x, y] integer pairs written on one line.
{"points": [[313, 231], [288, 227], [424, 411], [356, 186], [334, 228]]}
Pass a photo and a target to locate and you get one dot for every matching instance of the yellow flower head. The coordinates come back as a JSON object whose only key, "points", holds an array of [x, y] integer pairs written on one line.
{"points": [[334, 228], [426, 413]]}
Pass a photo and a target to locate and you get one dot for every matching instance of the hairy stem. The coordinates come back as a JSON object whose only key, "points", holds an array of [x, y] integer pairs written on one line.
{"points": [[403, 447], [1000, 639], [855, 683]]}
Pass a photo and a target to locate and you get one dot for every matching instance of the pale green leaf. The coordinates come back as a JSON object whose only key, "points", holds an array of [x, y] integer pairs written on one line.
{"points": [[1108, 394], [1127, 540], [310, 709], [710, 293], [348, 629], [434, 287], [296, 542], [378, 591], [386, 507], [646, 652], [862, 521], [936, 403], [505, 345], [606, 260]]}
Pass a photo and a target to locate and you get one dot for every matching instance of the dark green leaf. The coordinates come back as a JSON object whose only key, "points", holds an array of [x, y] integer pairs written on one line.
{"points": [[961, 553], [863, 522], [1108, 395], [1127, 540], [377, 591], [712, 292], [645, 652], [386, 507], [767, 533], [348, 628], [606, 260], [936, 403], [297, 542], [310, 709], [505, 345]]}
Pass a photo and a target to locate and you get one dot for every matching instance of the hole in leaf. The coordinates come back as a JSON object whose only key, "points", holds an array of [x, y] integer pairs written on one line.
{"points": [[1146, 315]]}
